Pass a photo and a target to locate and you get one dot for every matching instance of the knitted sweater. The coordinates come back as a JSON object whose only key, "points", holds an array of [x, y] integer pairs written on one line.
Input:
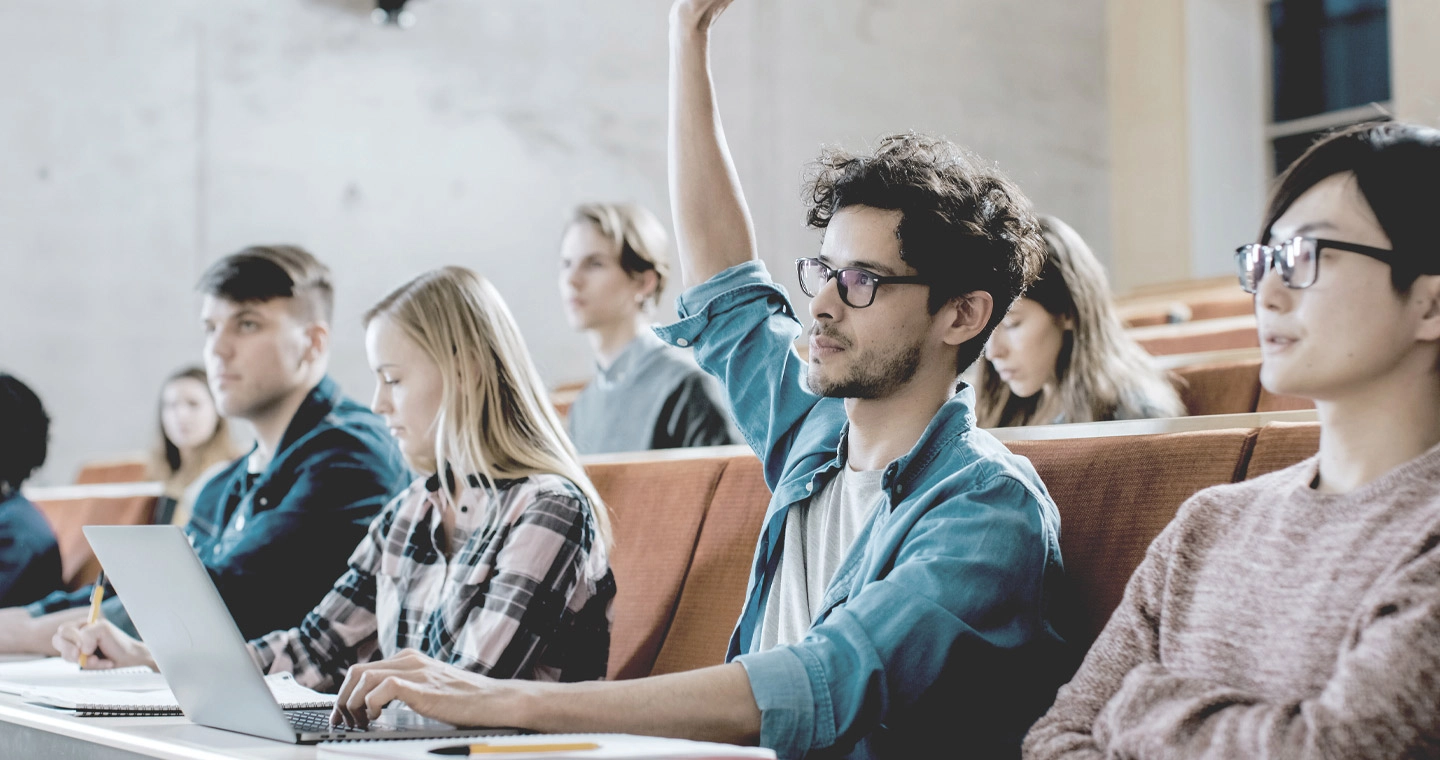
{"points": [[1269, 620]]}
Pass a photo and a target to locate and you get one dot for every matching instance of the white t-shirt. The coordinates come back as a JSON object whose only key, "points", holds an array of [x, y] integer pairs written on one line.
{"points": [[818, 536]]}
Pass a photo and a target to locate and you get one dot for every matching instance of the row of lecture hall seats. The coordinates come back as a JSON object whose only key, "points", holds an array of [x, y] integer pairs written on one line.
{"points": [[686, 520], [1189, 301]]}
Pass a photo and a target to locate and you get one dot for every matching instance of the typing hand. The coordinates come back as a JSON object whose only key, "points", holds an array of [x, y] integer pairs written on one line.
{"points": [[105, 645], [429, 687], [696, 15]]}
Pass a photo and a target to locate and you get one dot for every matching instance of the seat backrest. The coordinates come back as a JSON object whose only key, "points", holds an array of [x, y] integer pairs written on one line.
{"points": [[1281, 444], [1160, 341], [657, 509], [1116, 494], [1271, 402], [78, 565], [113, 471], [715, 587], [1229, 388]]}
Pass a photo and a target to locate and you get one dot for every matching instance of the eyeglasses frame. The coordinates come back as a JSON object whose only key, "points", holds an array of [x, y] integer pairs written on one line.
{"points": [[844, 292], [1268, 252]]}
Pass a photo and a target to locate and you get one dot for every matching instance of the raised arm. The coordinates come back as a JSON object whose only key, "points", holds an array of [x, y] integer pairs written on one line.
{"points": [[713, 231]]}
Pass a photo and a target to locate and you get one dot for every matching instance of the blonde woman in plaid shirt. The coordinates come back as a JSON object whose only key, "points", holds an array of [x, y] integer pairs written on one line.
{"points": [[495, 560]]}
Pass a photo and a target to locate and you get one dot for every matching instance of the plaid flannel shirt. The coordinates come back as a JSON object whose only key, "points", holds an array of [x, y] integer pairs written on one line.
{"points": [[525, 594]]}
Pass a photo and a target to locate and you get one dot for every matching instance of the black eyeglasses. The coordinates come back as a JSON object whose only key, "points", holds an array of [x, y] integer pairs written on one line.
{"points": [[1297, 258], [857, 286]]}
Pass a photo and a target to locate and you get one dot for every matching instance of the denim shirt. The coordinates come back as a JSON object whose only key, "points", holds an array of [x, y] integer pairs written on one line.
{"points": [[938, 635], [276, 541]]}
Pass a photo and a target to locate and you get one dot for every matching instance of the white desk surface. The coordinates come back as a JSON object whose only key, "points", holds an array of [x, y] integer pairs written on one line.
{"points": [[172, 738]]}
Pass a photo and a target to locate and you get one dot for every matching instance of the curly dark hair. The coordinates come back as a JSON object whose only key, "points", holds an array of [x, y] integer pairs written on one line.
{"points": [[964, 226], [25, 436]]}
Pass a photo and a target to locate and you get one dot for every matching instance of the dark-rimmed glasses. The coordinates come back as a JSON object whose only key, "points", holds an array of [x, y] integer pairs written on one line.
{"points": [[1298, 260], [857, 286]]}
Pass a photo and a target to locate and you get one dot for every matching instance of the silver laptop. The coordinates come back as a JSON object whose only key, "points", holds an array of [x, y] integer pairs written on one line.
{"points": [[177, 610]]}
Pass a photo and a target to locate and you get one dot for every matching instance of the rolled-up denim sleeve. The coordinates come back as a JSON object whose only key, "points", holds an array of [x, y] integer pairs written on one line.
{"points": [[967, 582], [743, 329]]}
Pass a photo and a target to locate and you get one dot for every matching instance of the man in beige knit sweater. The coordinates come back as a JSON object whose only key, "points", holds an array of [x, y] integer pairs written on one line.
{"points": [[1298, 614]]}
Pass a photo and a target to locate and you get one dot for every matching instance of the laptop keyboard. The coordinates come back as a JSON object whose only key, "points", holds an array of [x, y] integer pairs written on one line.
{"points": [[311, 721]]}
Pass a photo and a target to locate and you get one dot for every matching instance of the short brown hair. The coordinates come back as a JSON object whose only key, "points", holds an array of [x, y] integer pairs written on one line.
{"points": [[264, 272], [964, 226], [641, 238]]}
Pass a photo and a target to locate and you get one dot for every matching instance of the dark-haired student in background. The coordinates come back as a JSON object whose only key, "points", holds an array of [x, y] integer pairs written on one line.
{"points": [[1297, 615], [275, 527], [29, 556]]}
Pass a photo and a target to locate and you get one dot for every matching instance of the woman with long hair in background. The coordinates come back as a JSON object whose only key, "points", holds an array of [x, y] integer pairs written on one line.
{"points": [[194, 443], [1061, 354]]}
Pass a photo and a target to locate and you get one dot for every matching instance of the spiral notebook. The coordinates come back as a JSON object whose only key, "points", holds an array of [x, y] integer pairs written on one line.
{"points": [[90, 702]]}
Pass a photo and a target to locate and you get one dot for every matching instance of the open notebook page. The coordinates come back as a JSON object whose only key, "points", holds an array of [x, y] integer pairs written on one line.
{"points": [[290, 695], [19, 677]]}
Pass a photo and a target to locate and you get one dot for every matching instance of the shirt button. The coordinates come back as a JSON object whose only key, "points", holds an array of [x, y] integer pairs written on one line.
{"points": [[681, 342], [899, 488], [464, 509], [809, 486], [264, 501]]}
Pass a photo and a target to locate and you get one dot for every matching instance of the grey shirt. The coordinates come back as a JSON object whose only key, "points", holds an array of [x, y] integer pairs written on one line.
{"points": [[653, 396], [818, 535]]}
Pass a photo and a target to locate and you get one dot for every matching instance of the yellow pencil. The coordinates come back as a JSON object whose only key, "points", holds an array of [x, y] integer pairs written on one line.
{"points": [[96, 598]]}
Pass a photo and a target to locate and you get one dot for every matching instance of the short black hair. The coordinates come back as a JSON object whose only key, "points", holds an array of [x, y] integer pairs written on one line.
{"points": [[1397, 169], [264, 272], [25, 436], [964, 226]]}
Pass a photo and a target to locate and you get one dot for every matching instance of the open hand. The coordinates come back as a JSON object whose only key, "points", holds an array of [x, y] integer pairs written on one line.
{"points": [[429, 687], [104, 645]]}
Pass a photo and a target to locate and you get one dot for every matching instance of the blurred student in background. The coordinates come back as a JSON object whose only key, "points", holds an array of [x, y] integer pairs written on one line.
{"points": [[274, 527], [1061, 354], [645, 394], [29, 556], [194, 445]]}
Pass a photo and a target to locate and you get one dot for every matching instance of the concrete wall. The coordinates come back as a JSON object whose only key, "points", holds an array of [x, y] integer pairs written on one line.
{"points": [[143, 140], [1415, 60]]}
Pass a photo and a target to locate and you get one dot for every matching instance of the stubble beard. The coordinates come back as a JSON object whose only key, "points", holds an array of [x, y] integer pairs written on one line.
{"points": [[871, 376]]}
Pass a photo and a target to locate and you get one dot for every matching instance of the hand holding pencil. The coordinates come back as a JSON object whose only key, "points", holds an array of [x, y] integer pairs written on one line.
{"points": [[98, 644]]}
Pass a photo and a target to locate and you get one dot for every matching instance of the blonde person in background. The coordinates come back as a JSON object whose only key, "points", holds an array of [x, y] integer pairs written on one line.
{"points": [[1061, 354], [645, 394], [194, 444], [495, 559]]}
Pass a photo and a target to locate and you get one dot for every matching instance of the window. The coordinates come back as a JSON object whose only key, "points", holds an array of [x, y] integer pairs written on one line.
{"points": [[1330, 68]]}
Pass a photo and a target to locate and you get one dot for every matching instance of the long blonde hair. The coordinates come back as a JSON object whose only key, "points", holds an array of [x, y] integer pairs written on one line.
{"points": [[1102, 373], [166, 463], [495, 417]]}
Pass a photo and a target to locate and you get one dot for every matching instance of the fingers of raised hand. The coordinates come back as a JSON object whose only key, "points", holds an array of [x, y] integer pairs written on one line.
{"points": [[698, 14]]}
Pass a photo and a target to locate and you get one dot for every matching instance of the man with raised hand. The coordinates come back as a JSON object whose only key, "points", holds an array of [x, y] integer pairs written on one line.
{"points": [[902, 597]]}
